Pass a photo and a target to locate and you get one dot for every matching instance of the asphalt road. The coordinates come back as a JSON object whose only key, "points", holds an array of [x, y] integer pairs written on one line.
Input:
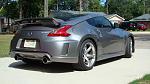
{"points": [[112, 71], [142, 40]]}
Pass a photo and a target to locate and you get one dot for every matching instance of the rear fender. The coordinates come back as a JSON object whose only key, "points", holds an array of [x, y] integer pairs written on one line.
{"points": [[91, 37]]}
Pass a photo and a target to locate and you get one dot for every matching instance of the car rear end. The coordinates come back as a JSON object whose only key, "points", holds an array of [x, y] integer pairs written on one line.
{"points": [[50, 43]]}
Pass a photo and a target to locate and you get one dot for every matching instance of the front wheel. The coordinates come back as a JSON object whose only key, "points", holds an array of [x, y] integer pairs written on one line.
{"points": [[129, 48], [87, 56]]}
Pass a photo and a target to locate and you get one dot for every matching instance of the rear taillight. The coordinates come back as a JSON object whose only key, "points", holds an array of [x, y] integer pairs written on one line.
{"points": [[61, 32]]}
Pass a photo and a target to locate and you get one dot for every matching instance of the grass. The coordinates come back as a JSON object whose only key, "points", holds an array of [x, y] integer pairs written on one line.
{"points": [[4, 45], [144, 80], [148, 29]]}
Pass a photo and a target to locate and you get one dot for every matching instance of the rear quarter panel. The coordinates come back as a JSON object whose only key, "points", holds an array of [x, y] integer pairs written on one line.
{"points": [[83, 31]]}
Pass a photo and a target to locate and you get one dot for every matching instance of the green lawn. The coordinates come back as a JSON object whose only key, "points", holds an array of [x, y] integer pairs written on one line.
{"points": [[144, 80], [4, 45], [148, 29]]}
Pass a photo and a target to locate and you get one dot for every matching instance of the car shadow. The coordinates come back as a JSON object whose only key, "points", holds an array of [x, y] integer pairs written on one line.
{"points": [[55, 67], [48, 68]]}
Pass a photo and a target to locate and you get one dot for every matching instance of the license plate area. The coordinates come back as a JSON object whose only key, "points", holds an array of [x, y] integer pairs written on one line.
{"points": [[30, 43]]}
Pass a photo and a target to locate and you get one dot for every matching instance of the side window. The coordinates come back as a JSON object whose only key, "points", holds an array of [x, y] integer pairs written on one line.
{"points": [[96, 21], [106, 23], [91, 21], [100, 22]]}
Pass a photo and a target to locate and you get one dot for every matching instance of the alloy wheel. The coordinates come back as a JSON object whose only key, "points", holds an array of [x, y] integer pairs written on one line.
{"points": [[89, 54]]}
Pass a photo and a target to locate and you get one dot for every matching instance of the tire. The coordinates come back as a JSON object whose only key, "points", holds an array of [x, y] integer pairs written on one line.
{"points": [[129, 48], [87, 56]]}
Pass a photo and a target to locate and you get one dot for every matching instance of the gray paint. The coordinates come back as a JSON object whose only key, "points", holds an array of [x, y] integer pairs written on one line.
{"points": [[110, 42]]}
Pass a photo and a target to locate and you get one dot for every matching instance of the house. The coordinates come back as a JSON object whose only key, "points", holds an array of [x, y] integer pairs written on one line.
{"points": [[114, 18], [4, 23], [143, 19]]}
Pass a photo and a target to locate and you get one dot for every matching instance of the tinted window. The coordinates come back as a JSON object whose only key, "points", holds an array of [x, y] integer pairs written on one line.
{"points": [[104, 22], [100, 22], [68, 17], [91, 22]]}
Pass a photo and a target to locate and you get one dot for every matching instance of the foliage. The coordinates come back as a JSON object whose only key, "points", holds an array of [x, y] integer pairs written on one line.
{"points": [[94, 5], [30, 8], [11, 10], [34, 8], [62, 4], [2, 11], [128, 8], [87, 5], [144, 80]]}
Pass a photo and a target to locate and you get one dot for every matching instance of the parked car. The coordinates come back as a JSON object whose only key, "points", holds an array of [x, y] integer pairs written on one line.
{"points": [[128, 25], [80, 39], [141, 27]]}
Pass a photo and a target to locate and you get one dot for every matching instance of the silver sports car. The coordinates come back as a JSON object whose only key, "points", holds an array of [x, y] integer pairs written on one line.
{"points": [[80, 39]]}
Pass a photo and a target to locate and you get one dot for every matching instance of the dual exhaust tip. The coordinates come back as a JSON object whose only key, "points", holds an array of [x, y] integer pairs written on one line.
{"points": [[45, 59]]}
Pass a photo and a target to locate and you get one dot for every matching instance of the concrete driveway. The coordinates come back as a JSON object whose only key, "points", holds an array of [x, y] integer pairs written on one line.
{"points": [[112, 71]]}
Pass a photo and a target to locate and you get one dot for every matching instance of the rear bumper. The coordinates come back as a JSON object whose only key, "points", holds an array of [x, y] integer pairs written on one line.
{"points": [[59, 49], [40, 55]]}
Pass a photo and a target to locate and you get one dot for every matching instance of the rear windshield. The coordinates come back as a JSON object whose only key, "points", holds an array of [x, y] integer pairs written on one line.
{"points": [[68, 17]]}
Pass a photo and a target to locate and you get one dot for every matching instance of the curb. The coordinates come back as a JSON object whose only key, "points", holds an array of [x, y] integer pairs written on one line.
{"points": [[140, 33]]}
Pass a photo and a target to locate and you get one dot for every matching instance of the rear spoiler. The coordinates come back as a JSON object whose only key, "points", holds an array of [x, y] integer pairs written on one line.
{"points": [[48, 22]]}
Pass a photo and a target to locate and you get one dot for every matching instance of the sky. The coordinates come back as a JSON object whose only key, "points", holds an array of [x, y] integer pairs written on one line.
{"points": [[103, 1]]}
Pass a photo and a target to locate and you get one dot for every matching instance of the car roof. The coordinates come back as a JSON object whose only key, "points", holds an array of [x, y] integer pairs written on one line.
{"points": [[81, 18]]}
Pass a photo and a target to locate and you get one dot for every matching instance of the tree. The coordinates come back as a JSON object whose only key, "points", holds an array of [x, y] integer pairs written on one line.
{"points": [[87, 5], [145, 4], [126, 8], [9, 9], [31, 8], [62, 4], [12, 10], [94, 5]]}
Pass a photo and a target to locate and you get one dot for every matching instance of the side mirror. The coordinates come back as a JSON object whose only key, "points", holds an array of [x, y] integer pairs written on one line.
{"points": [[116, 25]]}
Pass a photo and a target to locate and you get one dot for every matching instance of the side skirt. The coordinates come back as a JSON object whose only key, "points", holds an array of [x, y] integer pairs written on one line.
{"points": [[110, 55]]}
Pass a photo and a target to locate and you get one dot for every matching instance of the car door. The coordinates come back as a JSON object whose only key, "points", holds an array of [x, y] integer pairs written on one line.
{"points": [[111, 41]]}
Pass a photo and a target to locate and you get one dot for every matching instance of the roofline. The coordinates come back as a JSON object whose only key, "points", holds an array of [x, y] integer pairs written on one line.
{"points": [[88, 16], [116, 15], [140, 20]]}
